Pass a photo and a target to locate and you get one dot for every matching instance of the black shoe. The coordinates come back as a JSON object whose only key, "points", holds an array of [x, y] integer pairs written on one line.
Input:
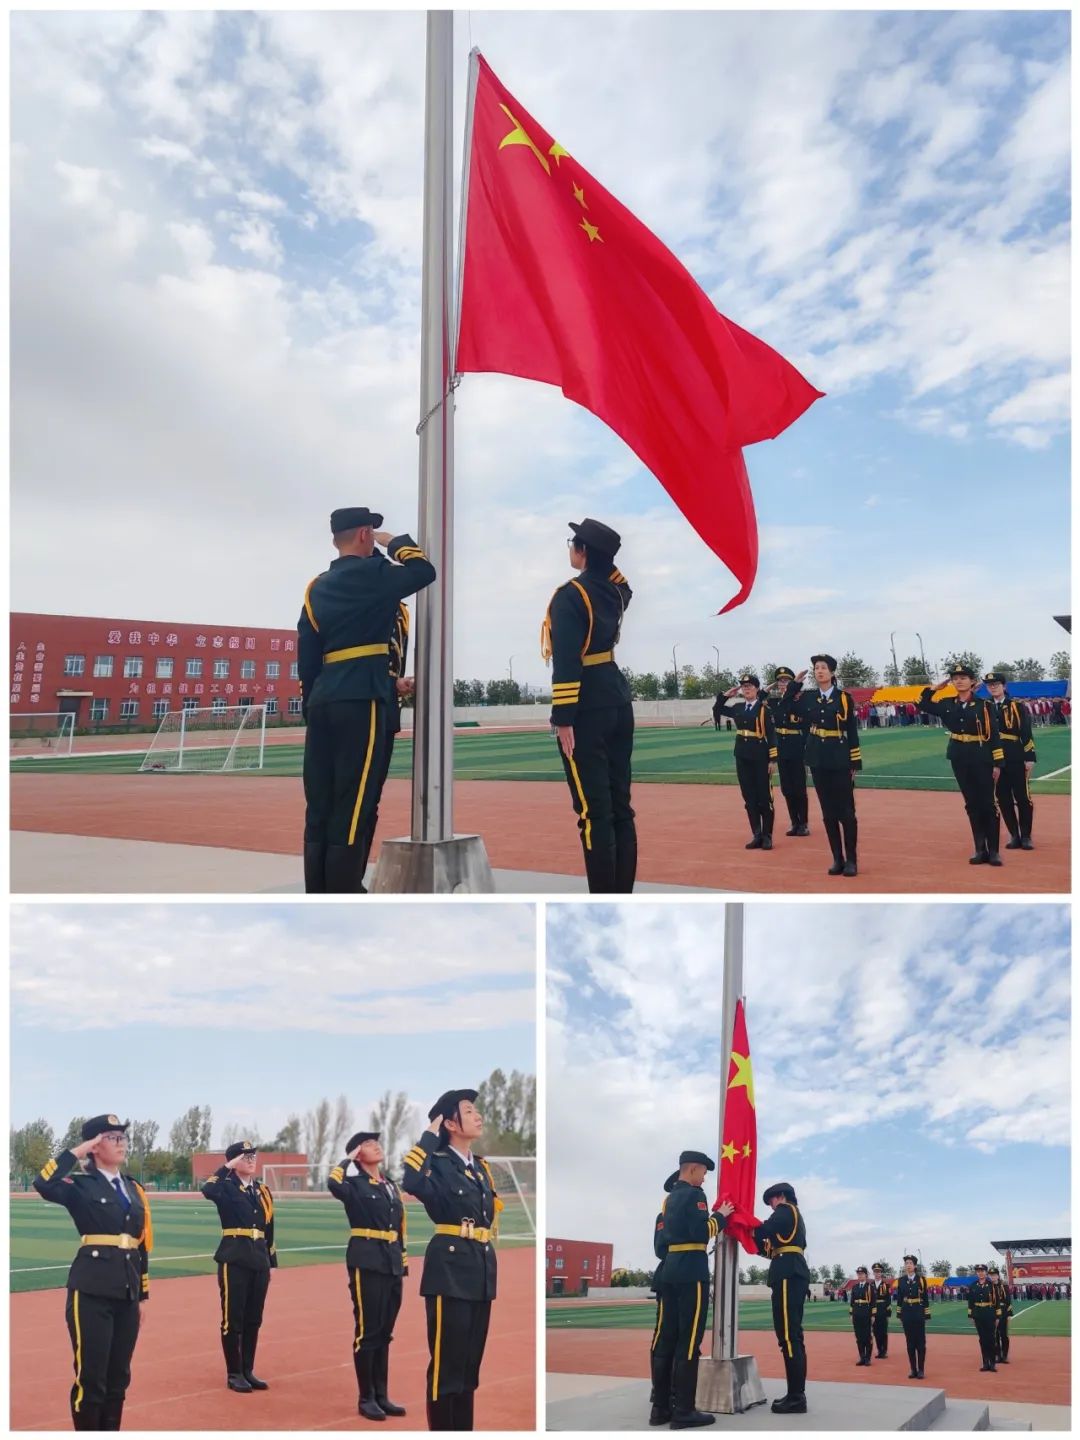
{"points": [[1026, 843], [993, 1369], [994, 858], [1013, 844], [850, 868], [754, 844], [659, 1416], [388, 1407], [239, 1384], [862, 1362], [691, 1419], [802, 830], [789, 1405], [913, 1375], [255, 1382], [793, 831], [985, 1367], [370, 1410], [836, 868], [978, 859], [766, 842], [921, 1375], [881, 1355]]}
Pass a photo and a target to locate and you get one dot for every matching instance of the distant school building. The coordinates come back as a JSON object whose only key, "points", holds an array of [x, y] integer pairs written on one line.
{"points": [[573, 1266]]}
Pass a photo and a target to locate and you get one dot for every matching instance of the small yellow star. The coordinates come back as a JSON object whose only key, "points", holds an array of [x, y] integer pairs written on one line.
{"points": [[746, 1152], [579, 195], [728, 1152], [593, 231], [557, 152]]}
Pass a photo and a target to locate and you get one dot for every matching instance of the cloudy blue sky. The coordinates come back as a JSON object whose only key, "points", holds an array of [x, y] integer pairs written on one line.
{"points": [[261, 1010], [215, 245], [911, 1068]]}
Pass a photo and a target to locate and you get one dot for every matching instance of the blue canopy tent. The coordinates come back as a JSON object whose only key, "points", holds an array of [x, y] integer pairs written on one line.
{"points": [[1034, 689]]}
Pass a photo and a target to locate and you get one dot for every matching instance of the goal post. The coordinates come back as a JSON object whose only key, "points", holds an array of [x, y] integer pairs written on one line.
{"points": [[293, 1178], [42, 733], [515, 1182], [208, 740]]}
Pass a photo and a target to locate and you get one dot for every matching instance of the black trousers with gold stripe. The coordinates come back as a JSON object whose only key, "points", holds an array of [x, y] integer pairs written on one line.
{"points": [[243, 1297], [976, 781], [598, 774], [1014, 798], [913, 1319], [788, 1300], [103, 1335], [792, 772], [752, 771], [344, 772], [681, 1314], [457, 1334], [376, 1300]]}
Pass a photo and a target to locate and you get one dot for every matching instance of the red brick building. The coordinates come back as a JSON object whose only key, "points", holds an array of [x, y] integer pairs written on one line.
{"points": [[204, 1163], [574, 1266], [129, 673]]}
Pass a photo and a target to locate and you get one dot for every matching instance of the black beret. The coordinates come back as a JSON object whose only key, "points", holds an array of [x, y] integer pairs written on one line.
{"points": [[980, 1267], [697, 1157], [595, 532], [829, 660], [101, 1125], [913, 1258], [750, 680], [447, 1103], [362, 1135], [995, 677], [783, 673], [241, 1147], [861, 1270], [961, 670], [352, 517], [782, 1190]]}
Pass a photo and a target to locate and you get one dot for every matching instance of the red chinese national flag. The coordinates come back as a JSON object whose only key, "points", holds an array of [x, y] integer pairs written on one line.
{"points": [[738, 1153], [562, 284]]}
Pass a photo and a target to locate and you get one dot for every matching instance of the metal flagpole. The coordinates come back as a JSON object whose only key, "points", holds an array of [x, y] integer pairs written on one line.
{"points": [[728, 1383], [434, 859]]}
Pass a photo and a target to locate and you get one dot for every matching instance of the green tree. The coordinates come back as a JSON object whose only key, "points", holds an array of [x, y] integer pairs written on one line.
{"points": [[853, 672], [73, 1134], [647, 686], [891, 674], [503, 692], [160, 1166], [1030, 669], [962, 657], [461, 692], [690, 683], [508, 1105], [395, 1118], [287, 1140], [914, 671], [31, 1146], [941, 1268], [669, 685], [1009, 671], [962, 1271], [191, 1131], [890, 1270], [142, 1137], [476, 692], [1061, 665], [839, 1274]]}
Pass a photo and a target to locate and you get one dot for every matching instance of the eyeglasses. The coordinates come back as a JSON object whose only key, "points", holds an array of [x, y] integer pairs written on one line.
{"points": [[120, 1139]]}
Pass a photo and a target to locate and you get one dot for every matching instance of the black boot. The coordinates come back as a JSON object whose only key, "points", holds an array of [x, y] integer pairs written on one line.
{"points": [[1013, 843], [832, 830], [851, 844], [789, 1405], [87, 1417], [600, 870], [367, 1405], [691, 1419], [440, 1413], [661, 1390], [111, 1414], [380, 1372], [248, 1346], [343, 873], [1026, 843], [463, 1410], [993, 841], [314, 868], [625, 857], [239, 1384], [754, 844]]}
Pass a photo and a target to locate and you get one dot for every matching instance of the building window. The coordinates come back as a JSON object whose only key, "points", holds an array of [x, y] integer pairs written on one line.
{"points": [[133, 667], [244, 701], [294, 670], [247, 669], [559, 1264], [129, 709], [585, 1267], [163, 667], [217, 705], [74, 664], [190, 703], [103, 667], [272, 705], [99, 709], [273, 669], [161, 709], [221, 669], [296, 705], [194, 670]]}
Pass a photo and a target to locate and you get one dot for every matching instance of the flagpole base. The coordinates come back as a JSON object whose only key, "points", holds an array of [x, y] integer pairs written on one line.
{"points": [[728, 1387], [458, 866]]}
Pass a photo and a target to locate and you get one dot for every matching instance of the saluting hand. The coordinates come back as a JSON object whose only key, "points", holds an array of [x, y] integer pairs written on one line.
{"points": [[435, 1126], [383, 538], [232, 1164], [729, 693], [566, 739], [801, 676], [86, 1148]]}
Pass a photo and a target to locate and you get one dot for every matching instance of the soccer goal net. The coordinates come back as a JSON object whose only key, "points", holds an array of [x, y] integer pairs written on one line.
{"points": [[229, 737], [515, 1181], [42, 733], [294, 1178]]}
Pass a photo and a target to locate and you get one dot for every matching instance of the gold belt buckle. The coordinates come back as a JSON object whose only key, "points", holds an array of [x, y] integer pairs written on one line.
{"points": [[467, 1228]]}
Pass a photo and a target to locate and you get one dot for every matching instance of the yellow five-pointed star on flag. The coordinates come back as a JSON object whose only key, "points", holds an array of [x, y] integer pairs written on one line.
{"points": [[593, 231], [579, 195], [728, 1151], [744, 1075]]}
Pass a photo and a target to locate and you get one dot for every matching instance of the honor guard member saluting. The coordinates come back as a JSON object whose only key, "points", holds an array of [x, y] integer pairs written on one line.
{"points": [[376, 1261], [975, 754], [344, 631], [457, 1190], [1018, 755], [109, 1276], [833, 754], [982, 1308], [245, 1256], [882, 1310], [791, 752], [782, 1239], [862, 1308], [1004, 1310], [591, 711], [399, 688], [684, 1229], [755, 757], [913, 1302]]}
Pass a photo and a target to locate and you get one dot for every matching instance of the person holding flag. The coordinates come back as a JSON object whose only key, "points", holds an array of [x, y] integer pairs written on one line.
{"points": [[782, 1239], [913, 1301]]}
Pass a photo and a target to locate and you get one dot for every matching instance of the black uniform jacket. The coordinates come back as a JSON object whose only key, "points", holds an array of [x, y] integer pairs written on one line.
{"points": [[1014, 727], [883, 1291], [782, 1229], [399, 654], [1004, 1304], [372, 1205], [863, 1298], [243, 1207], [912, 1295], [755, 733], [452, 1193], [832, 741], [790, 726], [659, 1246], [982, 1297], [579, 634], [353, 605], [96, 1209], [973, 728], [686, 1227]]}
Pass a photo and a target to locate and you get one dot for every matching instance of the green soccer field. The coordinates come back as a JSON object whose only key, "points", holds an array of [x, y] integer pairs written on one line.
{"points": [[901, 759], [186, 1232], [1030, 1317]]}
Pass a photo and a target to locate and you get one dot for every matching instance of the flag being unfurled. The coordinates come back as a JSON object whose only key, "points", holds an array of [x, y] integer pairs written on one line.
{"points": [[738, 1152], [563, 284]]}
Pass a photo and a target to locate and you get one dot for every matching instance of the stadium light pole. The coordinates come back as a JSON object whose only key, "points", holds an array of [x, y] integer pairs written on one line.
{"points": [[511, 662], [433, 860], [716, 652], [892, 647], [922, 655], [728, 1383], [675, 667]]}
